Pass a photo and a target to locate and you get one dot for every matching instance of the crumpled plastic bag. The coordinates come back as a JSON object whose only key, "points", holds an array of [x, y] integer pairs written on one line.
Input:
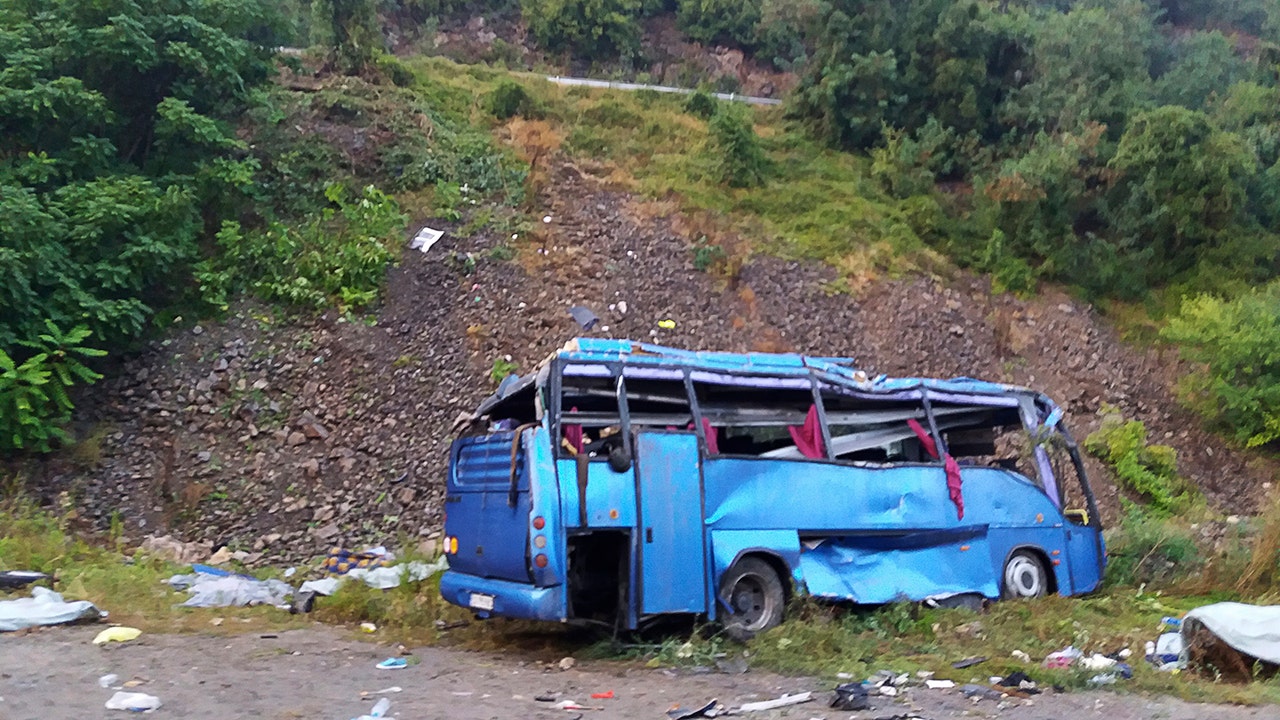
{"points": [[216, 590], [44, 607], [382, 578]]}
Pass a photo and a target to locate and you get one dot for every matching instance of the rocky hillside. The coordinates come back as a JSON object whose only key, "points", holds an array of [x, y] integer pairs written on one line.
{"points": [[289, 436]]}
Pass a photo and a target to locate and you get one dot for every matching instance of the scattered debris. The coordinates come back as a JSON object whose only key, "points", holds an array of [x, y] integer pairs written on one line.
{"points": [[608, 695], [1063, 658], [108, 680], [1021, 681], [378, 710], [214, 587], [573, 705], [425, 238], [851, 696], [17, 579], [888, 691], [117, 634], [584, 316], [783, 701], [732, 666], [1240, 641], [133, 702], [710, 710], [382, 578], [567, 663], [392, 664], [939, 684], [981, 691], [549, 697], [667, 324], [441, 625], [368, 627], [1020, 655], [968, 662], [383, 691], [44, 607]]}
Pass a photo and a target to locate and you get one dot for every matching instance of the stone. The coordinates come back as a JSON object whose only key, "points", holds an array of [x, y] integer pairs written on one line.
{"points": [[297, 438], [328, 532], [315, 431], [406, 495], [310, 467]]}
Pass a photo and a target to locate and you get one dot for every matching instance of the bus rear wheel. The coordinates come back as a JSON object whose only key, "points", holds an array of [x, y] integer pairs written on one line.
{"points": [[755, 596], [1025, 576]]}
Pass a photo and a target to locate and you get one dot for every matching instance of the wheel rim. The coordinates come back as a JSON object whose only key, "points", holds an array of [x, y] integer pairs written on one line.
{"points": [[749, 601], [1023, 577]]}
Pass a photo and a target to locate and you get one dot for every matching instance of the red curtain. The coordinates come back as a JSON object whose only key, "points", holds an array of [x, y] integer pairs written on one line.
{"points": [[808, 437]]}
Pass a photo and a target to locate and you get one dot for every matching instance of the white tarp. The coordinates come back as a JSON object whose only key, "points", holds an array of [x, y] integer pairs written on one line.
{"points": [[382, 578], [209, 590], [44, 607], [1251, 629]]}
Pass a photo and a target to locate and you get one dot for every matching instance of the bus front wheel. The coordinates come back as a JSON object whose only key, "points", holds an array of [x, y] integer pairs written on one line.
{"points": [[1025, 576], [755, 598]]}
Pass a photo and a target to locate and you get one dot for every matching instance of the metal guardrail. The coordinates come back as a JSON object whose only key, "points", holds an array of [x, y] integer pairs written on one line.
{"points": [[611, 85]]}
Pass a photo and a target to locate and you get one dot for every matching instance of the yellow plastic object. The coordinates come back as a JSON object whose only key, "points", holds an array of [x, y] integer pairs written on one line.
{"points": [[117, 634], [1080, 517], [667, 324]]}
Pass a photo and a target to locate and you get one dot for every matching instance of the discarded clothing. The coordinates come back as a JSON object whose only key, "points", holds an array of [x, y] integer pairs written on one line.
{"points": [[382, 578], [711, 709], [44, 607], [117, 634], [211, 587]]}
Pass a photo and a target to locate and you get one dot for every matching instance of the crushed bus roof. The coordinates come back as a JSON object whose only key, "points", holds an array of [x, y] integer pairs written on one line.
{"points": [[595, 350]]}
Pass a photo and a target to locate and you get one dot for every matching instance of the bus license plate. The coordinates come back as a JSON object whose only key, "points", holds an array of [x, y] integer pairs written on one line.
{"points": [[481, 602]]}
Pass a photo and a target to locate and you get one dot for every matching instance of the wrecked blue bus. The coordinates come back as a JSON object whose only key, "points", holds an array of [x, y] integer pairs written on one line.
{"points": [[621, 482]]}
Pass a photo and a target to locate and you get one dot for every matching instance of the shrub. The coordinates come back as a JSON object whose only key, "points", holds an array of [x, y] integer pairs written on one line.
{"points": [[590, 29], [34, 404], [1151, 471], [741, 160], [701, 104], [1237, 343], [728, 22], [1152, 550], [340, 257], [510, 99]]}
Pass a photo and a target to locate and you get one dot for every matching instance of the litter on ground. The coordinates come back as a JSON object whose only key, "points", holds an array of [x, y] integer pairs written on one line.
{"points": [[117, 634], [44, 607]]}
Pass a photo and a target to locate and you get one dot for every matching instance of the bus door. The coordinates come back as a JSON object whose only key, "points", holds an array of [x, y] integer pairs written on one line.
{"points": [[671, 534]]}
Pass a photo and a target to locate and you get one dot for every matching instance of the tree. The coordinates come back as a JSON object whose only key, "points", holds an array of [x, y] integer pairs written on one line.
{"points": [[115, 149], [741, 161], [1181, 187], [1205, 64], [728, 22], [351, 30], [585, 28]]}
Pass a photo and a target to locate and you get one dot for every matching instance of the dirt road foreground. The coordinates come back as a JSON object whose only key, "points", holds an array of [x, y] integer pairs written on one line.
{"points": [[320, 673]]}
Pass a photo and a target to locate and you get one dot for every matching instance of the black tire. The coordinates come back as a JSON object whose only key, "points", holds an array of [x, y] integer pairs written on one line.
{"points": [[1024, 576], [755, 598]]}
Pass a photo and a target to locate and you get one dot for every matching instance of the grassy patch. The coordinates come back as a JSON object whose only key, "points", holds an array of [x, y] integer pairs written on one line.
{"points": [[129, 586]]}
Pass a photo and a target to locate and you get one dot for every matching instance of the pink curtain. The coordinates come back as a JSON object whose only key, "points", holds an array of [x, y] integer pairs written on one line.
{"points": [[573, 433], [952, 467], [713, 446], [808, 437], [925, 439], [953, 485]]}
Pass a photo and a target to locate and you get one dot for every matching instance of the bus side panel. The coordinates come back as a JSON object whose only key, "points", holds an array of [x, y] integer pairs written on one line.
{"points": [[875, 569], [611, 496], [896, 505]]}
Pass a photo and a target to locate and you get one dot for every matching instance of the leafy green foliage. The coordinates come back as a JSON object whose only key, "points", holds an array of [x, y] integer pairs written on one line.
{"points": [[585, 28], [701, 104], [730, 22], [510, 99], [502, 367], [1237, 343], [741, 161], [1205, 63], [340, 257], [351, 30], [34, 404], [1151, 471], [1152, 549]]}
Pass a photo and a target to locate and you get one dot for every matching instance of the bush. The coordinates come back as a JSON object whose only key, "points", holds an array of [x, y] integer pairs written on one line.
{"points": [[741, 160], [1151, 471], [1237, 343], [510, 99], [1152, 550], [341, 257], [727, 22], [34, 404], [591, 29], [701, 104]]}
